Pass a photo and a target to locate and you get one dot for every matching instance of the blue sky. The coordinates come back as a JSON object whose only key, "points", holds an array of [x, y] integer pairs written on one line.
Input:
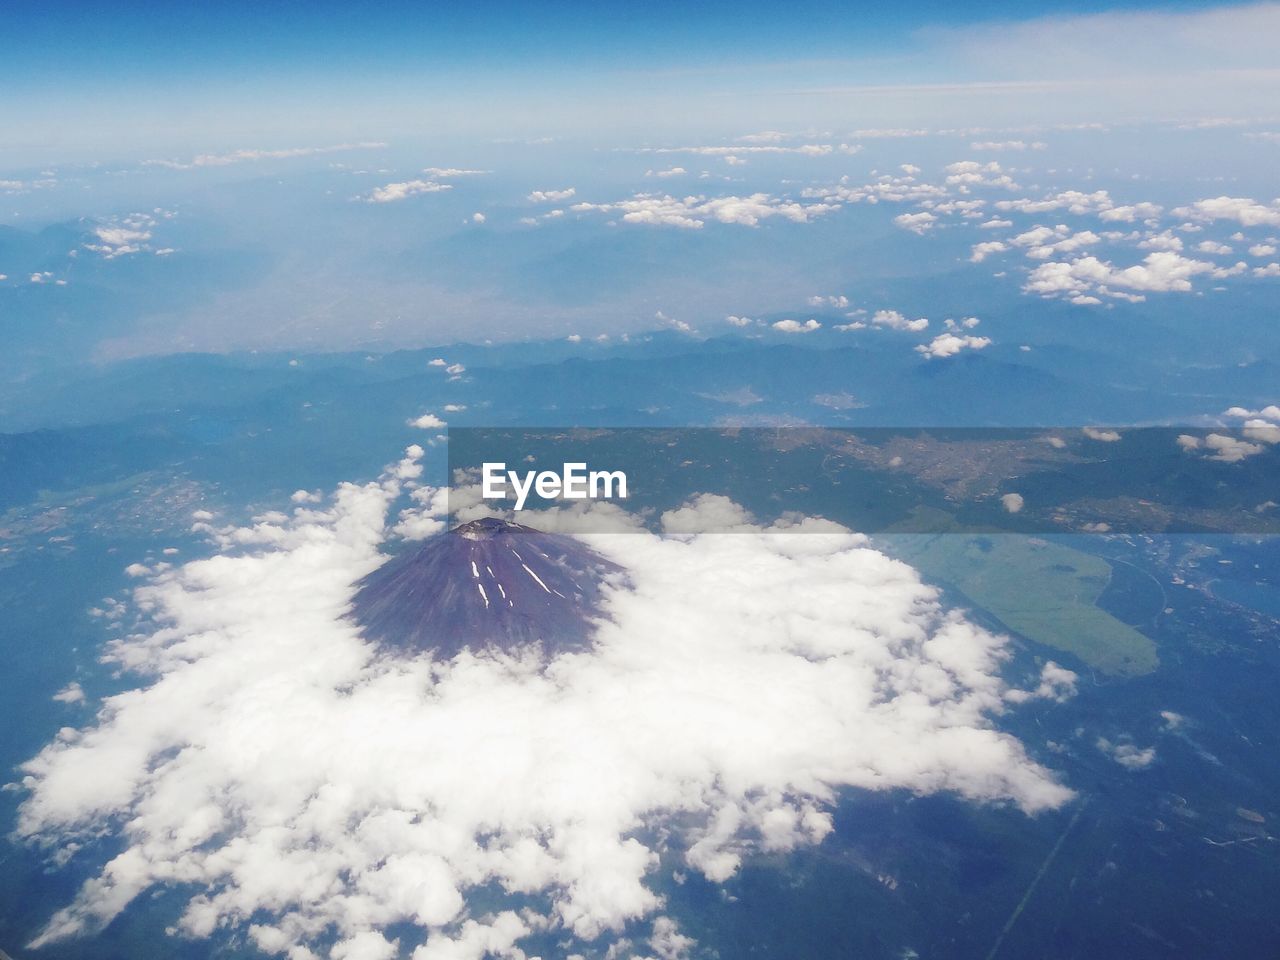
{"points": [[90, 81], [57, 43], [179, 180]]}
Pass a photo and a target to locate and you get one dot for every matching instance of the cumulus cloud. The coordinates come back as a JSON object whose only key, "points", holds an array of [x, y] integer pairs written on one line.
{"points": [[1269, 412], [795, 326], [1057, 683], [392, 192], [1105, 436], [970, 173], [1212, 246], [949, 344], [1242, 210], [122, 236], [1043, 242], [693, 212], [1131, 212], [428, 421], [1012, 502], [894, 320], [1127, 754], [1073, 201], [1085, 279], [71, 693], [916, 222], [980, 251], [302, 789], [837, 301], [1220, 447], [552, 196]]}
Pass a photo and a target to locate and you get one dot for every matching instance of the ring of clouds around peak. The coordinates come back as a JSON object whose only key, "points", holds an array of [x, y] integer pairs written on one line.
{"points": [[735, 686]]}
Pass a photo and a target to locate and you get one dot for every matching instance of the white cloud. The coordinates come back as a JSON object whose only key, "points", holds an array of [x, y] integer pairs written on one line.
{"points": [[1132, 212], [552, 196], [1212, 246], [795, 326], [1165, 240], [980, 251], [392, 192], [428, 421], [292, 785], [1044, 242], [1002, 145], [805, 150], [835, 301], [1012, 502], [1057, 683], [1105, 436], [252, 155], [916, 222], [693, 212], [669, 172], [478, 217], [1221, 447], [1246, 212], [1126, 754], [895, 320], [448, 173], [970, 173], [1269, 412], [71, 693], [1262, 250], [949, 344], [1262, 430], [1161, 272], [1073, 201], [123, 236], [738, 321], [886, 188]]}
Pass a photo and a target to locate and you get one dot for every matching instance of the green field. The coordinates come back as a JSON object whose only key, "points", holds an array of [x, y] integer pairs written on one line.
{"points": [[1043, 591]]}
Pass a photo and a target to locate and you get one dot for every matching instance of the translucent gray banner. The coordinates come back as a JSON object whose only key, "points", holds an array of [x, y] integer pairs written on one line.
{"points": [[1100, 480]]}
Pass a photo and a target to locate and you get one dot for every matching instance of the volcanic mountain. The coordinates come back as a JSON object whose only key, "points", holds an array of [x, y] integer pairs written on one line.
{"points": [[488, 584]]}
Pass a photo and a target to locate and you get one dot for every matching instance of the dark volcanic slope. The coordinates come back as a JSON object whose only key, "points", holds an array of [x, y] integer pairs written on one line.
{"points": [[485, 584]]}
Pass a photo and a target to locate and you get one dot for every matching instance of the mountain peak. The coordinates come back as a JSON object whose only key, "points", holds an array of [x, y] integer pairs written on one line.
{"points": [[489, 584]]}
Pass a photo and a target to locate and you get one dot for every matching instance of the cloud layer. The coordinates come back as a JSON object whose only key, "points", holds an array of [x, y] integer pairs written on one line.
{"points": [[313, 793]]}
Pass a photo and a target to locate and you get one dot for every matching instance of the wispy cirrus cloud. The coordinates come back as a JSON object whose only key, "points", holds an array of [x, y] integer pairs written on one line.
{"points": [[254, 155]]}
